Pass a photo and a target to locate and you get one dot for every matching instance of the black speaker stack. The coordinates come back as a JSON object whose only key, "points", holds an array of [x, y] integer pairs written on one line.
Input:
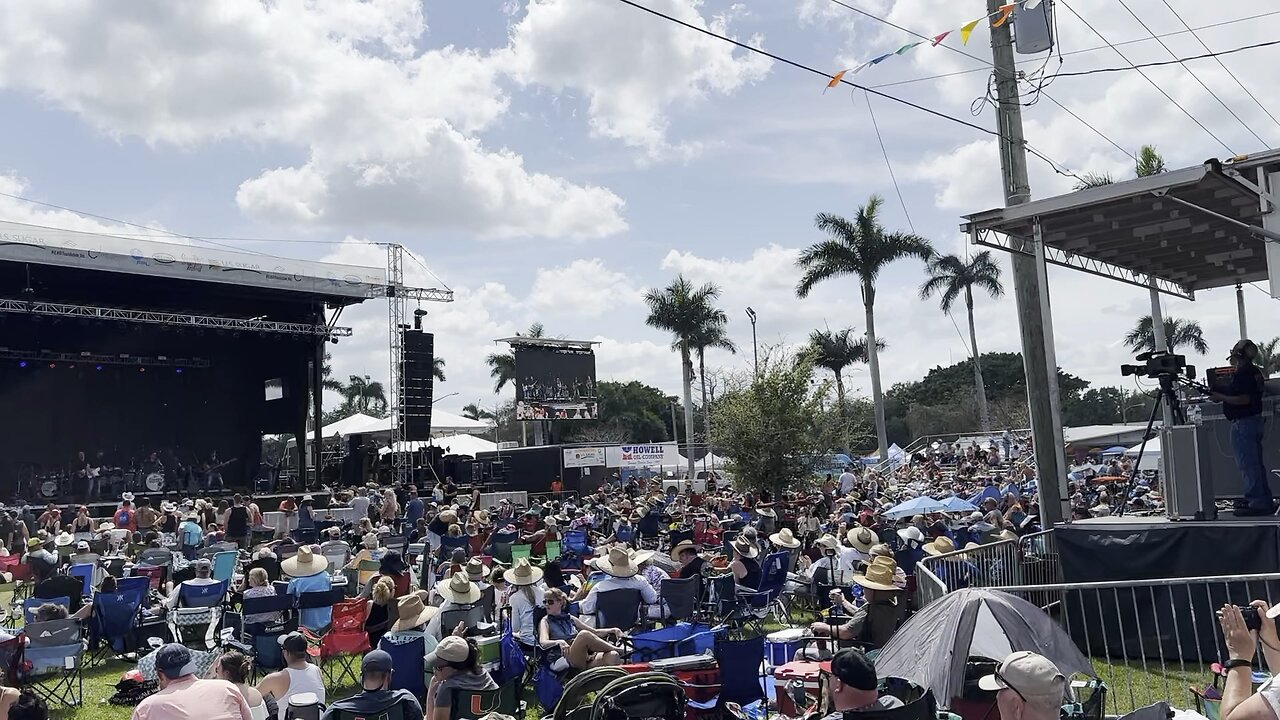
{"points": [[419, 361]]}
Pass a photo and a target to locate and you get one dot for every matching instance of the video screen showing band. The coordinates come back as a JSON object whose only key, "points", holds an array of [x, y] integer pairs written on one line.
{"points": [[555, 383]]}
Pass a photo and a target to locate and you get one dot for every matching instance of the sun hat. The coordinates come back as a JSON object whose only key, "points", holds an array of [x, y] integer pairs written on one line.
{"points": [[105, 526], [34, 543], [127, 497], [745, 547], [879, 576], [412, 612], [880, 550], [476, 570], [168, 507], [688, 545], [523, 573], [370, 541], [862, 538], [63, 539], [640, 557], [305, 564], [766, 512], [1007, 535], [459, 589], [617, 563], [940, 546], [451, 649], [1029, 675], [827, 542], [785, 538]]}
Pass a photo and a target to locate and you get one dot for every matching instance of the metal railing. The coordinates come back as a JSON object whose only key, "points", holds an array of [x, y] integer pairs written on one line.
{"points": [[1149, 640], [1029, 560]]}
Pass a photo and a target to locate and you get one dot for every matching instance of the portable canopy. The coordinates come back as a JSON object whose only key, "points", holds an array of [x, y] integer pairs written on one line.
{"points": [[1150, 456], [955, 504], [931, 649], [915, 506]]}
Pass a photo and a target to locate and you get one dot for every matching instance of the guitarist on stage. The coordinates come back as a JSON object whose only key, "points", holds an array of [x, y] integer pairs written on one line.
{"points": [[210, 471]]}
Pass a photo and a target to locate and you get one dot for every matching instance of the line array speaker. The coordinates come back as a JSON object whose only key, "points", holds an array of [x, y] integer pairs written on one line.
{"points": [[419, 362]]}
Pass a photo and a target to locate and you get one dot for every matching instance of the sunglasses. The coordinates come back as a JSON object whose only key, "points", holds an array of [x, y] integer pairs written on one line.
{"points": [[1008, 686]]}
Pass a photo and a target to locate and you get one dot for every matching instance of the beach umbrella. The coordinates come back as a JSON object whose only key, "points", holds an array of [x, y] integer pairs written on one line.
{"points": [[915, 506], [987, 492], [955, 504]]}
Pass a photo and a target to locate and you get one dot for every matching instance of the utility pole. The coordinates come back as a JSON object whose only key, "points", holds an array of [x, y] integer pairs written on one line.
{"points": [[1045, 432], [755, 351]]}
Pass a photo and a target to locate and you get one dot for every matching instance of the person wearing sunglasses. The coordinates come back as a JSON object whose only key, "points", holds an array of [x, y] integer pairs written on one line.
{"points": [[1027, 686], [854, 685]]}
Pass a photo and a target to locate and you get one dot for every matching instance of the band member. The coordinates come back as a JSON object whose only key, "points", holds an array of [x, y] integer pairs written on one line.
{"points": [[152, 464], [212, 476], [1242, 404]]}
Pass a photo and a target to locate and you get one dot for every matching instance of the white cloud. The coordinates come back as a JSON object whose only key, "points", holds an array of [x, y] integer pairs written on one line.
{"points": [[631, 66], [583, 288]]}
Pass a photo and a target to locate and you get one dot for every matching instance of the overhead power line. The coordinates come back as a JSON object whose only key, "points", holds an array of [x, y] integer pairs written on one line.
{"points": [[1219, 61], [1146, 77], [1161, 63], [888, 164], [1058, 168]]}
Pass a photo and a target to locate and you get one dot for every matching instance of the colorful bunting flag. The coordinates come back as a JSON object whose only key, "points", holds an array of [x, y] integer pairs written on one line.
{"points": [[907, 47], [835, 79], [882, 57], [939, 38], [967, 29], [1005, 12]]}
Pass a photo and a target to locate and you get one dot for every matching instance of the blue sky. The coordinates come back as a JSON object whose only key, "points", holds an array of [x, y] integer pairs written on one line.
{"points": [[551, 160]]}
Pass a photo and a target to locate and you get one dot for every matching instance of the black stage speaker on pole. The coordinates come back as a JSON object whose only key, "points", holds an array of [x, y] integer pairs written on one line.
{"points": [[419, 361]]}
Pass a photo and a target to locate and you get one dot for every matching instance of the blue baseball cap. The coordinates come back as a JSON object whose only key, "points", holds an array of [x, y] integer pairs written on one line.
{"points": [[174, 660]]}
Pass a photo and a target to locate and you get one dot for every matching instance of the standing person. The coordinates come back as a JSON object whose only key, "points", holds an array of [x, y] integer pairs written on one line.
{"points": [[414, 509], [238, 523], [124, 517], [298, 676], [236, 669], [848, 481], [146, 516], [184, 697], [1242, 404], [389, 511]]}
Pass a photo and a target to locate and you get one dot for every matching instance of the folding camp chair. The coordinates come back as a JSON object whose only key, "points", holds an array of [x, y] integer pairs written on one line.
{"points": [[367, 568], [502, 552], [681, 596], [472, 615], [53, 659], [618, 609], [396, 543], [573, 548], [198, 613], [553, 550], [758, 603], [263, 638], [111, 626], [520, 551], [160, 557], [269, 564], [739, 663], [337, 554], [478, 703], [30, 605], [449, 544], [346, 639], [408, 657], [224, 565], [320, 599], [84, 571], [394, 711], [12, 658], [155, 574]]}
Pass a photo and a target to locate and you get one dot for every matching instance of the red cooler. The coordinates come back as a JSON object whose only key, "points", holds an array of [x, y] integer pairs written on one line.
{"points": [[800, 671]]}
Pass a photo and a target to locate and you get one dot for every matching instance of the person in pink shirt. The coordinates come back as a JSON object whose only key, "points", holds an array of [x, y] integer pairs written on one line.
{"points": [[182, 696]]}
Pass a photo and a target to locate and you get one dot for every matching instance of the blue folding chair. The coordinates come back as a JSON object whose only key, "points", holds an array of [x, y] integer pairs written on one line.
{"points": [[111, 627], [201, 596], [136, 585], [573, 548], [449, 544], [767, 597], [739, 662], [408, 658], [53, 659], [84, 571], [224, 565], [30, 605], [199, 611]]}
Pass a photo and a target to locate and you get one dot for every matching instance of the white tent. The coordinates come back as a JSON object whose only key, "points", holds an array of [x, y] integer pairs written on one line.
{"points": [[1150, 456], [452, 445], [357, 423], [441, 422]]}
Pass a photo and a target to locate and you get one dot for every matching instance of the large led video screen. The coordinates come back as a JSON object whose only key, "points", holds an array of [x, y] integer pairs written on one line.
{"points": [[555, 383]]}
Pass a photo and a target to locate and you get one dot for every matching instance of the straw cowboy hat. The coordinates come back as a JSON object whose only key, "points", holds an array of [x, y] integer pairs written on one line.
{"points": [[862, 539], [879, 576], [617, 563], [827, 542], [523, 573], [412, 612], [640, 557], [940, 546], [476, 570], [682, 546], [105, 526], [766, 512], [745, 547], [305, 564], [448, 517], [785, 538], [459, 589], [63, 539]]}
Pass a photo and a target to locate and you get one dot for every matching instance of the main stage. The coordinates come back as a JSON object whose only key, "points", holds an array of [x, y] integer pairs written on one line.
{"points": [[118, 348]]}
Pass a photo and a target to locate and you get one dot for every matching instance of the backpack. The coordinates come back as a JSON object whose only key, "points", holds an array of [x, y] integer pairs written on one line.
{"points": [[639, 697]]}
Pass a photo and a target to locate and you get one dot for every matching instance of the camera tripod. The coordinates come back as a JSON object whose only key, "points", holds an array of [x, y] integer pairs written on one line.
{"points": [[1166, 394]]}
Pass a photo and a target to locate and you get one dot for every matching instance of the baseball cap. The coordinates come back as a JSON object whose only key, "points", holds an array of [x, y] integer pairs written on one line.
{"points": [[377, 660], [82, 546], [1028, 674], [296, 643], [174, 660], [452, 649], [203, 564], [854, 669]]}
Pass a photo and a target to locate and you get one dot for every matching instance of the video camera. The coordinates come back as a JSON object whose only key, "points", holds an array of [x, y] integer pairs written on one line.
{"points": [[1159, 364]]}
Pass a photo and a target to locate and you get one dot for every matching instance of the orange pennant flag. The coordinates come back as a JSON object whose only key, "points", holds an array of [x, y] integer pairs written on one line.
{"points": [[835, 79], [967, 30], [939, 38], [1005, 12]]}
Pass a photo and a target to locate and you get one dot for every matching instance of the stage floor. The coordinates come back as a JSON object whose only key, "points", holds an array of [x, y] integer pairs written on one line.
{"points": [[1132, 521]]}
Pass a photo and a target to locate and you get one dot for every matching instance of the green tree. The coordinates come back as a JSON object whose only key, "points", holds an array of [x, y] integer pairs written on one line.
{"points": [[327, 381], [862, 248], [1269, 356], [1149, 162], [437, 368], [766, 428], [502, 366], [364, 395], [836, 350], [475, 412], [711, 335], [685, 312], [1178, 333], [951, 277]]}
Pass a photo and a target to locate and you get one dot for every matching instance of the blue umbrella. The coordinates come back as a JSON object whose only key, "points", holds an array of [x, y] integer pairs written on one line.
{"points": [[987, 492], [915, 506], [955, 504], [1117, 450]]}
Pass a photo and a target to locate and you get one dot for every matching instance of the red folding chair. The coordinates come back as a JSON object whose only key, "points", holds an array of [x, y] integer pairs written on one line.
{"points": [[153, 573], [345, 639]]}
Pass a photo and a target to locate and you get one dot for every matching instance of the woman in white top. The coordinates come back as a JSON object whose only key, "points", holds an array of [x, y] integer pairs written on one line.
{"points": [[527, 596], [235, 668], [298, 676]]}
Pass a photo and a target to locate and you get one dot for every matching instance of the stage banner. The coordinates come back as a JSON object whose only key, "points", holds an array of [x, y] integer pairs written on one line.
{"points": [[583, 457], [643, 456]]}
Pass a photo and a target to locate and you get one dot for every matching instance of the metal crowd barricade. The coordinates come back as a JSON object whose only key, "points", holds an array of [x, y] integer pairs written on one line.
{"points": [[928, 586], [1149, 640], [1029, 560]]}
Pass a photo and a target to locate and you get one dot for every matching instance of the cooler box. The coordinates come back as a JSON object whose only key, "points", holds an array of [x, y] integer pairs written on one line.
{"points": [[803, 672], [634, 668], [490, 648], [781, 647]]}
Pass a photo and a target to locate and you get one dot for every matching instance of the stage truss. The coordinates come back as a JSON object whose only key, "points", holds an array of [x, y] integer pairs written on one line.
{"points": [[92, 312]]}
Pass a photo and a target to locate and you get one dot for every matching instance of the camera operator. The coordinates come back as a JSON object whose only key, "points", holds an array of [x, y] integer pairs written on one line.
{"points": [[1238, 701], [1242, 404]]}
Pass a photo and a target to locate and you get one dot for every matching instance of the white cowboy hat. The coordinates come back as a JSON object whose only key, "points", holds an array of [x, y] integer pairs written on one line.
{"points": [[911, 533], [617, 563], [682, 546], [305, 564], [523, 573], [827, 542], [412, 612], [785, 538], [63, 539], [940, 546], [766, 512], [640, 557], [862, 538], [459, 589], [128, 497], [168, 507], [879, 576], [745, 547], [106, 526]]}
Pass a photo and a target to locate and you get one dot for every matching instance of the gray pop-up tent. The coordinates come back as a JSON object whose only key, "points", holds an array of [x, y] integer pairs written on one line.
{"points": [[932, 647]]}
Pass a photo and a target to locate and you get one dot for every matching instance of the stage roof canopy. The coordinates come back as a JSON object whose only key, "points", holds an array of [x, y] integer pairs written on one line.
{"points": [[1188, 230]]}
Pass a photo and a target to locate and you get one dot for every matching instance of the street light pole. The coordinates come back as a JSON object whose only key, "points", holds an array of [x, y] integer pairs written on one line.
{"points": [[755, 351]]}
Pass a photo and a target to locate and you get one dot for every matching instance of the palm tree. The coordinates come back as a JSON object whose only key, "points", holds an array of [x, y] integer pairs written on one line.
{"points": [[475, 412], [365, 395], [1178, 332], [862, 248], [1269, 356], [437, 368], [835, 351], [326, 375], [685, 312], [502, 366], [1149, 163], [710, 335], [950, 277]]}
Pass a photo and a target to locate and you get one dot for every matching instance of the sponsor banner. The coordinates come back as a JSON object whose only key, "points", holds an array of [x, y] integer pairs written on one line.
{"points": [[583, 457], [643, 456]]}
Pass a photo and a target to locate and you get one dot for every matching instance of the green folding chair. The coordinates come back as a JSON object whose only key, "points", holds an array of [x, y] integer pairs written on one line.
{"points": [[553, 550], [521, 551]]}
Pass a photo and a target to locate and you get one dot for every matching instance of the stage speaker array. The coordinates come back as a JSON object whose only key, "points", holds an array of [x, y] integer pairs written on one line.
{"points": [[419, 360]]}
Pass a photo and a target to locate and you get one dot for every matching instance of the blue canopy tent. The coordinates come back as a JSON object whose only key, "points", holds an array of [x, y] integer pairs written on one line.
{"points": [[1117, 450], [956, 504], [987, 492], [915, 506]]}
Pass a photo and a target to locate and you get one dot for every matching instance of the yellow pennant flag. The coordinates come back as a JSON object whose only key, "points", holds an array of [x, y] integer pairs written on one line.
{"points": [[967, 30], [835, 79], [1005, 12]]}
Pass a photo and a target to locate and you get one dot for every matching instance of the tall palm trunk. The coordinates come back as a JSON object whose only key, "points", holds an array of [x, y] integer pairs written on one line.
{"points": [[844, 412], [686, 368], [984, 414], [706, 409], [873, 363]]}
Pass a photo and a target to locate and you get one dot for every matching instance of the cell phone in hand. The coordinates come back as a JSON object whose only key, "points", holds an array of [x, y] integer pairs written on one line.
{"points": [[1252, 619]]}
